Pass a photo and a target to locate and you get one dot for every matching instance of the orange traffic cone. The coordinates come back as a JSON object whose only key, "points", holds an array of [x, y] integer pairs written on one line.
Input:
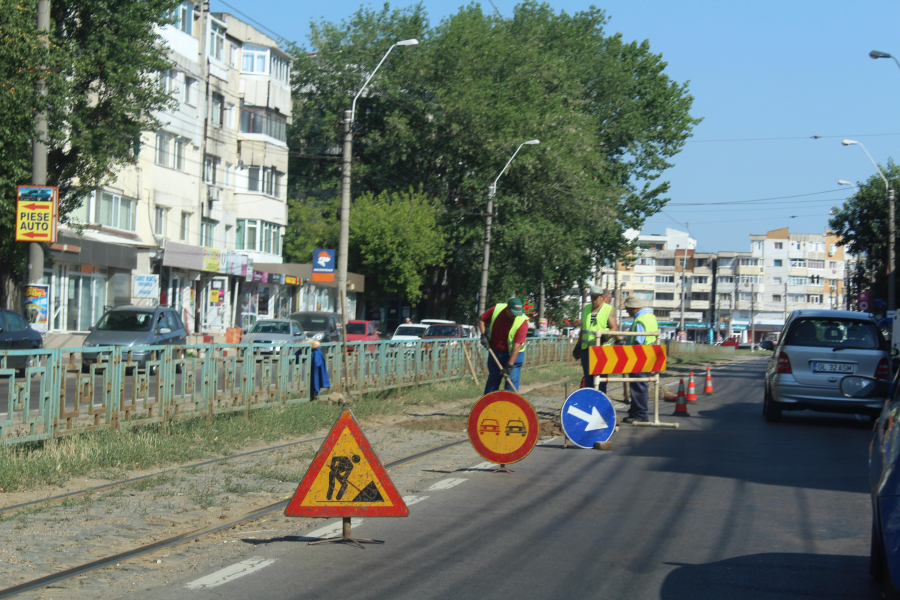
{"points": [[692, 389], [681, 406], [708, 387]]}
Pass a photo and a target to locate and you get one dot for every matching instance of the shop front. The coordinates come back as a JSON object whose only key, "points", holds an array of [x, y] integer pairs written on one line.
{"points": [[291, 290]]}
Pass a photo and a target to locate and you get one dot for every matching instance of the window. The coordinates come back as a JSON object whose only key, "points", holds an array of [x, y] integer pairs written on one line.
{"points": [[190, 91], [210, 166], [832, 264], [776, 297], [159, 222], [169, 151], [256, 59], [700, 280], [645, 260], [662, 295], [777, 262], [208, 233], [643, 295], [724, 297], [216, 41], [815, 280], [178, 155], [745, 296], [814, 298], [779, 245], [665, 262], [218, 108], [185, 232], [246, 236], [816, 264], [263, 121], [233, 56], [253, 179], [724, 279], [162, 149], [776, 280], [797, 280], [702, 296], [701, 262], [665, 279], [168, 80], [117, 211], [749, 262], [796, 298], [263, 179], [229, 116], [798, 263], [280, 69], [184, 18], [750, 279]]}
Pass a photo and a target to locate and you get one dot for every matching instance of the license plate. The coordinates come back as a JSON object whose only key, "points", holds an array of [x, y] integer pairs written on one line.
{"points": [[827, 367]]}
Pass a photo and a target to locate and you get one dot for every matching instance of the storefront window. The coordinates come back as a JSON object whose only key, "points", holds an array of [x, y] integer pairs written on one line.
{"points": [[85, 299]]}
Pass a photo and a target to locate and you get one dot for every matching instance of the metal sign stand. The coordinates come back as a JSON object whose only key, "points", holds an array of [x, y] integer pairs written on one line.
{"points": [[347, 537], [503, 468], [654, 379]]}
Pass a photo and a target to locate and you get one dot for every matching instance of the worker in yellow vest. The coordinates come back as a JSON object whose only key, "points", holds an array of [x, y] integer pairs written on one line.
{"points": [[504, 328], [596, 318], [644, 320]]}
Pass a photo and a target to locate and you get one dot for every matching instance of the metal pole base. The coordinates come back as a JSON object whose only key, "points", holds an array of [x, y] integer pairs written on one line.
{"points": [[502, 469], [346, 538], [655, 424]]}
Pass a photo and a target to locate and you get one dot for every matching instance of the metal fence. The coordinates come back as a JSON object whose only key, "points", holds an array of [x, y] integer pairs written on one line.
{"points": [[52, 395]]}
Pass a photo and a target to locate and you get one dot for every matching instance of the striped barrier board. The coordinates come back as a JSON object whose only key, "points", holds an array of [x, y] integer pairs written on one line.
{"points": [[605, 360]]}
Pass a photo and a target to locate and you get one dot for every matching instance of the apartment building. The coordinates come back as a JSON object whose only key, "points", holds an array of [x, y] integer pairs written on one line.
{"points": [[198, 222]]}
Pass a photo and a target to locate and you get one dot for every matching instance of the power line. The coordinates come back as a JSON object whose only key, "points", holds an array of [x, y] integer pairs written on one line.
{"points": [[255, 22], [804, 137], [729, 202]]}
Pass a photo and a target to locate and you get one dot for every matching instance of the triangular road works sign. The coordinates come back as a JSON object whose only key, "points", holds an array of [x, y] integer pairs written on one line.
{"points": [[346, 479]]}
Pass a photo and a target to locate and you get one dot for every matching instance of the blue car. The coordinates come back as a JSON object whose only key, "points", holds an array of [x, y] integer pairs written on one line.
{"points": [[884, 478]]}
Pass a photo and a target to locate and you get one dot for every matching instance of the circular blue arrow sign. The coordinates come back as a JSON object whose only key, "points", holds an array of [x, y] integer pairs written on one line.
{"points": [[588, 417]]}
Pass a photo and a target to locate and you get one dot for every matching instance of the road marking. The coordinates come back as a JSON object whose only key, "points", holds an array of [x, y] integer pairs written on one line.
{"points": [[481, 467], [547, 440], [410, 500], [230, 573], [333, 529], [446, 484]]}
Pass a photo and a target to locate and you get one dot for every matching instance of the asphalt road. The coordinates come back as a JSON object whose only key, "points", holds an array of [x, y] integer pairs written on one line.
{"points": [[728, 506]]}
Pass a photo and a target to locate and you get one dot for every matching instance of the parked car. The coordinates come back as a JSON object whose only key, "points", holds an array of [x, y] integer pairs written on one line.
{"points": [[436, 322], [817, 349], [133, 326], [361, 331], [443, 332], [318, 325], [884, 477], [16, 334], [409, 332], [767, 345], [274, 331]]}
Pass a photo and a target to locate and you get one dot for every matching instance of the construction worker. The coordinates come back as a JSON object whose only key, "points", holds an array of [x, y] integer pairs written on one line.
{"points": [[644, 320], [504, 329], [596, 317]]}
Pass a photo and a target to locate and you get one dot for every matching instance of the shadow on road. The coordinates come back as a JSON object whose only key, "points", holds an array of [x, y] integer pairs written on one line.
{"points": [[773, 576]]}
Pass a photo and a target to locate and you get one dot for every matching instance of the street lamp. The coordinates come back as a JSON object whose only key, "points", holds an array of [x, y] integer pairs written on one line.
{"points": [[891, 225], [876, 54], [345, 178], [492, 191], [845, 182]]}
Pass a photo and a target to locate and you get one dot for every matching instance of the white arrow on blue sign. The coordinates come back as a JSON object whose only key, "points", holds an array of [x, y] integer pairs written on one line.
{"points": [[588, 417]]}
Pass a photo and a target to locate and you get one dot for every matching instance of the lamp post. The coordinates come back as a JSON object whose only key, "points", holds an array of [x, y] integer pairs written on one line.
{"points": [[876, 54], [891, 225], [849, 284], [492, 191], [344, 236]]}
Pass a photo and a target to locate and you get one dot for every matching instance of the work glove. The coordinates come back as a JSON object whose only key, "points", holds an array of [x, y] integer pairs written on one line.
{"points": [[485, 340], [507, 370], [576, 352]]}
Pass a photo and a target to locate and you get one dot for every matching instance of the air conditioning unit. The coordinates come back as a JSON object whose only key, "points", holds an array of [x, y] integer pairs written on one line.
{"points": [[215, 194]]}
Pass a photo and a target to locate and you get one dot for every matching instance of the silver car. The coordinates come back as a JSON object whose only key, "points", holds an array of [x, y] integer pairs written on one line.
{"points": [[133, 326], [817, 349], [274, 331]]}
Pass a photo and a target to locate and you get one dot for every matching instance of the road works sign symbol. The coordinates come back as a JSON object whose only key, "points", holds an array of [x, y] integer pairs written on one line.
{"points": [[503, 427], [588, 417], [346, 479], [36, 214], [604, 360]]}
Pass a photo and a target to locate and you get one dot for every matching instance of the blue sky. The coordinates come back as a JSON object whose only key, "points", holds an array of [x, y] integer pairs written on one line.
{"points": [[770, 74]]}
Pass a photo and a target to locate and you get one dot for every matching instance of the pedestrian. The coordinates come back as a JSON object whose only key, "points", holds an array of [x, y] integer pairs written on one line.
{"points": [[644, 321], [408, 321], [596, 317], [504, 329]]}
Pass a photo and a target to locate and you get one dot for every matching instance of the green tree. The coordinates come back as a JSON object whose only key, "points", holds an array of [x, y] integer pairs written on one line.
{"points": [[101, 72], [863, 226], [444, 117]]}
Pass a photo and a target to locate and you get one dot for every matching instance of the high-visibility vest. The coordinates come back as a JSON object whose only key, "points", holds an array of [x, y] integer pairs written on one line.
{"points": [[650, 326], [517, 322], [589, 326]]}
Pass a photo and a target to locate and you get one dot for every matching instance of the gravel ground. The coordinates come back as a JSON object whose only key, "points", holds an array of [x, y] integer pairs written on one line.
{"points": [[48, 539]]}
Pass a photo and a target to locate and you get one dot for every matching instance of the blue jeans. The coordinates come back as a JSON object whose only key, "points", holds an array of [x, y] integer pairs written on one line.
{"points": [[495, 377], [640, 398], [586, 369]]}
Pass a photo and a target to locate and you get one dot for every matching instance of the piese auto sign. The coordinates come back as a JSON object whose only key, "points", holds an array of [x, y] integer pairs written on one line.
{"points": [[36, 213]]}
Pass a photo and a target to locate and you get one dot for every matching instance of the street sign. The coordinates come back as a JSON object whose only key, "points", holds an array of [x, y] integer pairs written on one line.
{"points": [[346, 479], [863, 303], [604, 360], [323, 265], [36, 213], [587, 417], [503, 427]]}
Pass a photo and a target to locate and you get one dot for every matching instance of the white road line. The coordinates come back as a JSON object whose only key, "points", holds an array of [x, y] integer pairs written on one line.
{"points": [[547, 440], [410, 500], [230, 573], [332, 529], [482, 466], [446, 484]]}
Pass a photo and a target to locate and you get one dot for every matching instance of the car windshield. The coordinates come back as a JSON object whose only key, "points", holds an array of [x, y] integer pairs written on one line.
{"points": [[416, 331], [126, 321], [271, 327], [442, 331], [356, 328], [826, 332], [312, 322]]}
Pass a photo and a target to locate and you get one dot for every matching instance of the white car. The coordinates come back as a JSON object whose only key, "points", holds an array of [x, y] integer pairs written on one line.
{"points": [[409, 333]]}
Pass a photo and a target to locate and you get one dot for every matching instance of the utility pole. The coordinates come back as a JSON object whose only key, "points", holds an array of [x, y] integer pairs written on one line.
{"points": [[752, 320], [892, 267], [39, 149], [681, 325], [541, 301], [488, 218], [785, 302], [343, 240]]}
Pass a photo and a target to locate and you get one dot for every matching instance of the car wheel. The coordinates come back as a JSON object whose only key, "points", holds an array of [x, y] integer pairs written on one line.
{"points": [[771, 409], [876, 557]]}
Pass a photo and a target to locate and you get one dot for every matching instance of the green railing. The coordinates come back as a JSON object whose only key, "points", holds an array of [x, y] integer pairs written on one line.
{"points": [[49, 395]]}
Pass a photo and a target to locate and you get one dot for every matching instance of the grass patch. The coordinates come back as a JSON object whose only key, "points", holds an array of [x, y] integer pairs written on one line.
{"points": [[113, 454]]}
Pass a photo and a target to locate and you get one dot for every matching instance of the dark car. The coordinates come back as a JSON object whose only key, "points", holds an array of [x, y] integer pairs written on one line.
{"points": [[516, 426], [318, 325], [435, 332], [16, 334], [767, 345], [129, 326]]}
